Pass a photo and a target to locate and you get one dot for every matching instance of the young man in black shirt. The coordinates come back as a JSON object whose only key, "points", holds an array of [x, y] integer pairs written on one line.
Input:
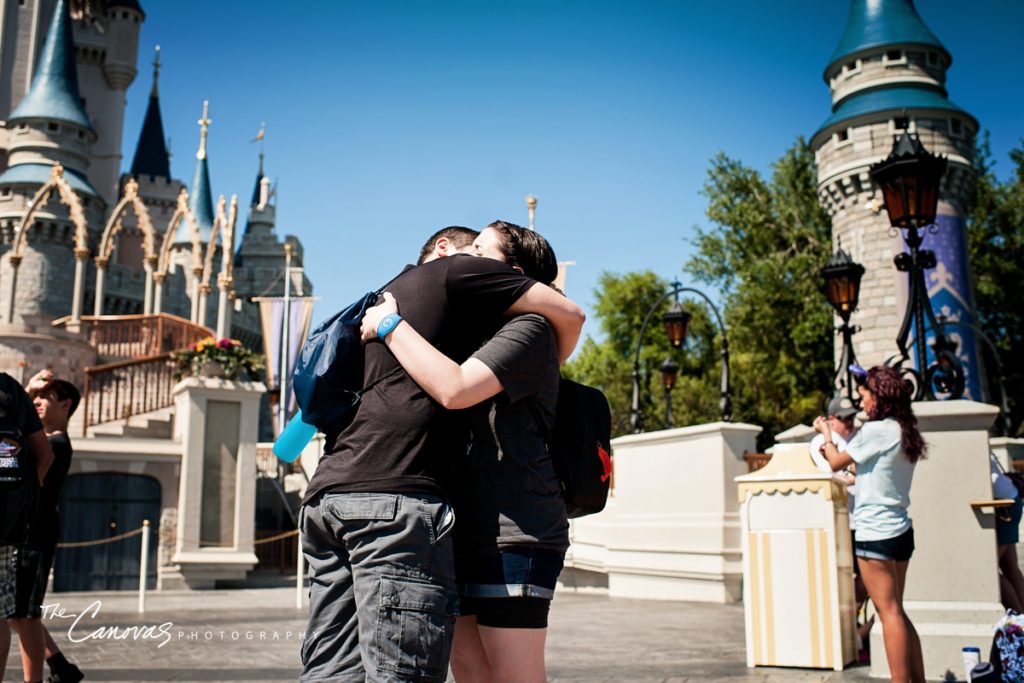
{"points": [[376, 521], [56, 401], [25, 452]]}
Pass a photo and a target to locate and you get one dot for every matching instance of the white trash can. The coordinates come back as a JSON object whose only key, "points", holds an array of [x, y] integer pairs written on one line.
{"points": [[798, 596]]}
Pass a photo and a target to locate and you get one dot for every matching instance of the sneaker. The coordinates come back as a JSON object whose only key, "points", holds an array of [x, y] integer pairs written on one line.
{"points": [[68, 674]]}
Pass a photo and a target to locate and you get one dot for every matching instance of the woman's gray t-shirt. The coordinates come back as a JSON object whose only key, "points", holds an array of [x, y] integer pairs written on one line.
{"points": [[508, 493]]}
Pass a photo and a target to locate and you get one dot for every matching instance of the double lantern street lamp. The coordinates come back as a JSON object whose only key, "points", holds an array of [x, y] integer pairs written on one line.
{"points": [[909, 179], [676, 321]]}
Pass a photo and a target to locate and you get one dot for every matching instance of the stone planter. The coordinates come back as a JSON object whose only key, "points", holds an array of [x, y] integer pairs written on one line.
{"points": [[212, 369]]}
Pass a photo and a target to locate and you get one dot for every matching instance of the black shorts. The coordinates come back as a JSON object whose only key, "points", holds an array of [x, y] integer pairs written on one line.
{"points": [[899, 548], [23, 577], [512, 589]]}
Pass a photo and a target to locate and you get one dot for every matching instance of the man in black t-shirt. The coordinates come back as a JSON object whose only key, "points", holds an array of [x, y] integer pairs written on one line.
{"points": [[56, 401], [376, 518], [25, 451]]}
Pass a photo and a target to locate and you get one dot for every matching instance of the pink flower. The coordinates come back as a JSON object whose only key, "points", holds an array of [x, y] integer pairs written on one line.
{"points": [[224, 343], [192, 346]]}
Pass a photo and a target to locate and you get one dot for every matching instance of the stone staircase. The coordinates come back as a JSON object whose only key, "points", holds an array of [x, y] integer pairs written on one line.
{"points": [[156, 424]]}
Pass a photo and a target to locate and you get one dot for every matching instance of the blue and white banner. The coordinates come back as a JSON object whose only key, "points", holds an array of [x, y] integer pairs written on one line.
{"points": [[949, 291], [300, 316]]}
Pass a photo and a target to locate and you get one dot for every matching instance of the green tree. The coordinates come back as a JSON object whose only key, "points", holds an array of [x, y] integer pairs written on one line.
{"points": [[622, 303], [760, 260], [995, 241], [768, 240]]}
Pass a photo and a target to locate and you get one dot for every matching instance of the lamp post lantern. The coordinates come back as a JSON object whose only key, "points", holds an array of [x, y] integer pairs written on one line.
{"points": [[842, 289], [669, 372], [676, 320], [909, 179]]}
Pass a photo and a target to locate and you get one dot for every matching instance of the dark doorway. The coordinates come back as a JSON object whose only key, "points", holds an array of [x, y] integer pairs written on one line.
{"points": [[100, 505]]}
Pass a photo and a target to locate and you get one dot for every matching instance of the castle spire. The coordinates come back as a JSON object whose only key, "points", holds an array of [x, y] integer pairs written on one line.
{"points": [[200, 199], [156, 73], [151, 155], [54, 93], [204, 129]]}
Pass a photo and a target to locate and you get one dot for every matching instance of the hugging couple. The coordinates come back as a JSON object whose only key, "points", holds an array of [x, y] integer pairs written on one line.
{"points": [[460, 385]]}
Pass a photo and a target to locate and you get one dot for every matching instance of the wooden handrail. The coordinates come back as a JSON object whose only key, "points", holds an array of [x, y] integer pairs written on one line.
{"points": [[756, 461], [138, 336], [116, 391]]}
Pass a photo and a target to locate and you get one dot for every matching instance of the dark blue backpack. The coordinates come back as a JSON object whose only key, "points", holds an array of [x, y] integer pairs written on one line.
{"points": [[328, 375]]}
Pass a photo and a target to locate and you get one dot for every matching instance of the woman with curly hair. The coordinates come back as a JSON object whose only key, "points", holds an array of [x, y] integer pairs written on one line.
{"points": [[884, 452]]}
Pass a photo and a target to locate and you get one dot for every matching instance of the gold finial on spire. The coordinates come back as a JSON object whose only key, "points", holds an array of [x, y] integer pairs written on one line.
{"points": [[156, 71], [204, 128], [531, 204]]}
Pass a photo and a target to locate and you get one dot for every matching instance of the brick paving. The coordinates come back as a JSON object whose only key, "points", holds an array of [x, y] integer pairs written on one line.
{"points": [[254, 635]]}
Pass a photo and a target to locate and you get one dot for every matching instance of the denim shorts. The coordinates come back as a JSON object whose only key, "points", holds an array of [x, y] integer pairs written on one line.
{"points": [[1008, 530], [899, 548], [512, 589]]}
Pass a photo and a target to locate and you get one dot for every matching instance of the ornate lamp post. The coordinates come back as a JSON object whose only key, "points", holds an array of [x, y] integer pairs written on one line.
{"points": [[669, 372], [842, 288], [909, 178], [676, 320]]}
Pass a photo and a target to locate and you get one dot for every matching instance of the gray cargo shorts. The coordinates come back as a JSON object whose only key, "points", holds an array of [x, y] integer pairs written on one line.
{"points": [[382, 596]]}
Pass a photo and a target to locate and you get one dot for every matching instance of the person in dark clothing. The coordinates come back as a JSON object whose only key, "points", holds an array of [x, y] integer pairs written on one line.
{"points": [[25, 452], [512, 532], [56, 401], [376, 520]]}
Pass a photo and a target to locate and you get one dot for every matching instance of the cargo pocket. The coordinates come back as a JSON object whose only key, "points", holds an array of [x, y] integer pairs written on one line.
{"points": [[415, 621]]}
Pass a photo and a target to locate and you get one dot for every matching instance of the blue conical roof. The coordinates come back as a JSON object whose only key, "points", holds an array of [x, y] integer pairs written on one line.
{"points": [[876, 23], [54, 92], [200, 202]]}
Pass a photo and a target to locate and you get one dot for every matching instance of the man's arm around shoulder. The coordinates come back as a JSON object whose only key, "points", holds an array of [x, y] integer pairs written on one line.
{"points": [[565, 316]]}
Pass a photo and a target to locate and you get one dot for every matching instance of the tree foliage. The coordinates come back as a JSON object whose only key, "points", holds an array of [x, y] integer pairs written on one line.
{"points": [[760, 262], [995, 240], [622, 303], [769, 239]]}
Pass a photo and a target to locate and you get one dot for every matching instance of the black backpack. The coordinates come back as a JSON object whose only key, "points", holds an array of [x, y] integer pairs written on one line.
{"points": [[580, 447], [19, 485]]}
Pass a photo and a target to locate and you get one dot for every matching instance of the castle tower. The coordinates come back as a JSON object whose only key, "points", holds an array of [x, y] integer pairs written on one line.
{"points": [[108, 46], [260, 262], [49, 125], [888, 74], [105, 44]]}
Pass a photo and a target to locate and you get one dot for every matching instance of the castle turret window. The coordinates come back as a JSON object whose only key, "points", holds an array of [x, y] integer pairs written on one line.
{"points": [[956, 127], [53, 127], [894, 58]]}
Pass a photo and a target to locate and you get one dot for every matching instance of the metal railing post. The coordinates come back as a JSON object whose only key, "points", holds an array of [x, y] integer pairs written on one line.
{"points": [[143, 566]]}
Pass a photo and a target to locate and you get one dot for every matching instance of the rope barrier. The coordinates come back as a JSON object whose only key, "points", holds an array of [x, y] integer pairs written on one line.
{"points": [[101, 541], [276, 537], [136, 532]]}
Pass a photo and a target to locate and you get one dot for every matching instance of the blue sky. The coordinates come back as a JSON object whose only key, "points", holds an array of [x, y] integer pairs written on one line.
{"points": [[388, 120]]}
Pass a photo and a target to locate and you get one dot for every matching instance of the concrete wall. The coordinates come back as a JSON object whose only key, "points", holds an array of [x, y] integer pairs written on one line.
{"points": [[671, 529]]}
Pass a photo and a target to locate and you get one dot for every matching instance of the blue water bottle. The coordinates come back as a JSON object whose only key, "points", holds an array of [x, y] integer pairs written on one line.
{"points": [[294, 438]]}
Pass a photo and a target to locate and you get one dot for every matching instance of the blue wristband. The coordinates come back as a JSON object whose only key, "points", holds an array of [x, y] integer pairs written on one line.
{"points": [[387, 325]]}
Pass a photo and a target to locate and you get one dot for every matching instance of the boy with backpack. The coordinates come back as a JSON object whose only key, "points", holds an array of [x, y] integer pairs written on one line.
{"points": [[25, 457]]}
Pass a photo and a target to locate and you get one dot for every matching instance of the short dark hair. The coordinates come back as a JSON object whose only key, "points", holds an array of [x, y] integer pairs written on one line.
{"points": [[457, 235], [528, 250], [63, 390]]}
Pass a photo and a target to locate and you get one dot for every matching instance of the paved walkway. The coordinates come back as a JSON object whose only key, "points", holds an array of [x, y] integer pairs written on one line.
{"points": [[254, 635]]}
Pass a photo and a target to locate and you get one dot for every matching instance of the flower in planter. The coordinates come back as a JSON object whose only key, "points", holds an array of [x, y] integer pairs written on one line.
{"points": [[228, 356]]}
